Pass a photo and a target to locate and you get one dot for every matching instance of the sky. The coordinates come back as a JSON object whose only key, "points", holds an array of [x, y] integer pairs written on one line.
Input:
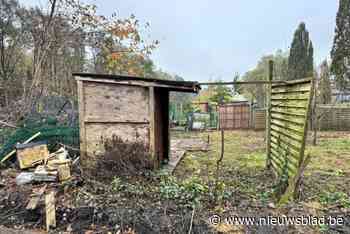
{"points": [[206, 40]]}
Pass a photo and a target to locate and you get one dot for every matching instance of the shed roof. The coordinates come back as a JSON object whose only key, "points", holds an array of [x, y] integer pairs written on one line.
{"points": [[171, 85]]}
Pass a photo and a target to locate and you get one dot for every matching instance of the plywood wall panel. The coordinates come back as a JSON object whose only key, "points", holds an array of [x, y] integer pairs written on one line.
{"points": [[96, 133], [118, 103]]}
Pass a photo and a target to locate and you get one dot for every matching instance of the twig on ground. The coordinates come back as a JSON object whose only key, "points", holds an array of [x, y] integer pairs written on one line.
{"points": [[190, 230], [8, 125]]}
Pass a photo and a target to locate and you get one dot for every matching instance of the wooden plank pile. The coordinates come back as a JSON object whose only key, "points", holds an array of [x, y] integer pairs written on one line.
{"points": [[40, 166]]}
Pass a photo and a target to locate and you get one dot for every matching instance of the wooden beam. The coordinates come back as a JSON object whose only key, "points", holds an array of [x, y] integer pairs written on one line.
{"points": [[50, 210], [262, 82], [33, 202], [152, 140], [293, 82], [14, 151], [111, 120], [268, 116], [81, 107], [142, 83]]}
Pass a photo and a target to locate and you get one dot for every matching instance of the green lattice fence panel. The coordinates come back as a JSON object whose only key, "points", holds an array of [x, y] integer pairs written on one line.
{"points": [[287, 128]]}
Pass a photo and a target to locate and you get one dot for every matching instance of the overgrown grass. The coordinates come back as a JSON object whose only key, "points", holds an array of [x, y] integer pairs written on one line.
{"points": [[243, 166], [330, 156]]}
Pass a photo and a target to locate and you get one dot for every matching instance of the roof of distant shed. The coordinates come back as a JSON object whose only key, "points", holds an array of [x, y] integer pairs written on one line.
{"points": [[171, 85]]}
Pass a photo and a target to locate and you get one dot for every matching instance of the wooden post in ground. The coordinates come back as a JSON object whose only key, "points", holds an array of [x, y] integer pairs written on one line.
{"points": [[152, 117], [314, 112], [268, 116], [50, 210]]}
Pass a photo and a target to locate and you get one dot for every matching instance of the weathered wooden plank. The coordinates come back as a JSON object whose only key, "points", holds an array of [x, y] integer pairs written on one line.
{"points": [[279, 167], [293, 160], [110, 120], [291, 94], [282, 113], [33, 202], [287, 131], [290, 110], [287, 99], [82, 136], [289, 136], [292, 128], [291, 90], [291, 122], [289, 102], [293, 83], [292, 152], [289, 106], [277, 163], [27, 154], [278, 160], [284, 142], [276, 166], [50, 210], [140, 83]]}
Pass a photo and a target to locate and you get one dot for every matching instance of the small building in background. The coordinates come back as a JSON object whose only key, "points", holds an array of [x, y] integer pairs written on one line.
{"points": [[235, 115], [202, 106]]}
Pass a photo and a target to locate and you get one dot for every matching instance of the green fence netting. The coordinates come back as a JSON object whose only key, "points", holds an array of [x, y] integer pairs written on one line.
{"points": [[51, 131]]}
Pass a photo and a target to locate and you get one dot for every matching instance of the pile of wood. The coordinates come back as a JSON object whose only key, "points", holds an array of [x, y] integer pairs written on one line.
{"points": [[48, 167], [40, 166]]}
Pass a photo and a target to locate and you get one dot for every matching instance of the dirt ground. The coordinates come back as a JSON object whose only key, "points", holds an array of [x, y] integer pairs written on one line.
{"points": [[325, 191], [154, 202]]}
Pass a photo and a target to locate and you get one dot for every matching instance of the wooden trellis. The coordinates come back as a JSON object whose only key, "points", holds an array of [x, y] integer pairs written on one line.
{"points": [[288, 113]]}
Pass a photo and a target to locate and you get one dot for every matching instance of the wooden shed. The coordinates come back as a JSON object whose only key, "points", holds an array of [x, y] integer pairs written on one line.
{"points": [[234, 115], [136, 109]]}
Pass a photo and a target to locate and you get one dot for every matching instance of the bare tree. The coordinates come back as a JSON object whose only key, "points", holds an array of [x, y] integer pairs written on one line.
{"points": [[13, 41]]}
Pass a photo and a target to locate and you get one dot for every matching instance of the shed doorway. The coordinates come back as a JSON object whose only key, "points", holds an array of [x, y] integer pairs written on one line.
{"points": [[161, 127]]}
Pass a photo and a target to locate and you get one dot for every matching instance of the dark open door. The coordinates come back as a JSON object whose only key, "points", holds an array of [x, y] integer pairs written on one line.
{"points": [[161, 128]]}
